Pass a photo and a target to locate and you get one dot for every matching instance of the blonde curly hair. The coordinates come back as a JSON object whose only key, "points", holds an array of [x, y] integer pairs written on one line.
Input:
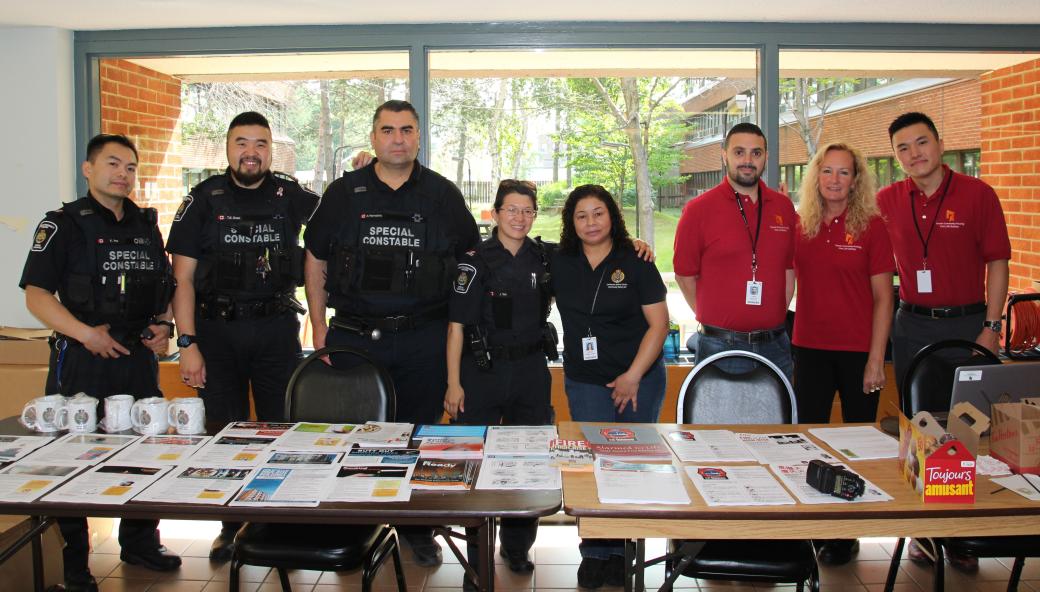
{"points": [[862, 195]]}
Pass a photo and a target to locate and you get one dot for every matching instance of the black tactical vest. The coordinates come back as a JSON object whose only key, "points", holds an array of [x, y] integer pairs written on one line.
{"points": [[256, 253], [390, 256], [503, 294], [124, 278]]}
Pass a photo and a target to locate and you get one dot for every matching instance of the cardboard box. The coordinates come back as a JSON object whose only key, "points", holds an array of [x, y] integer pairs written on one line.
{"points": [[940, 464], [24, 346], [16, 572], [1015, 437]]}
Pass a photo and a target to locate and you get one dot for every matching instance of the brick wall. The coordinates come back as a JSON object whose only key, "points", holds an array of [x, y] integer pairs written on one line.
{"points": [[955, 107], [145, 105], [1010, 135]]}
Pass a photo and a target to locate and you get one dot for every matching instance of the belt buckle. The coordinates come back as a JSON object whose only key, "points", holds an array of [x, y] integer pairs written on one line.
{"points": [[396, 322], [935, 313]]}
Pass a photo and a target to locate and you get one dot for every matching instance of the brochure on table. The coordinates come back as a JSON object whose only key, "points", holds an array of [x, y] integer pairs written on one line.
{"points": [[108, 484], [793, 477], [453, 430], [378, 434], [737, 485], [783, 448], [445, 474], [512, 471], [235, 450], [706, 445], [375, 482], [198, 484], [317, 436], [525, 440], [571, 455], [87, 449], [859, 442], [620, 482], [266, 429], [388, 456], [630, 442], [1025, 485], [162, 449], [16, 447], [301, 486], [27, 481], [296, 458], [452, 447]]}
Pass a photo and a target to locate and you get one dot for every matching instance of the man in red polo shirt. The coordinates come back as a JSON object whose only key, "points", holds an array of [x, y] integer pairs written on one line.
{"points": [[952, 250], [734, 258]]}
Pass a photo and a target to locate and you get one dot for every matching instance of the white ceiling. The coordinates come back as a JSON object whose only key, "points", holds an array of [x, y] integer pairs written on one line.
{"points": [[150, 14]]}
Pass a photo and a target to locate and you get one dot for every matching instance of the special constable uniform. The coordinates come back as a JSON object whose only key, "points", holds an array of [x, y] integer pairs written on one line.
{"points": [[718, 235], [391, 258], [503, 302], [953, 234], [104, 271], [250, 262]]}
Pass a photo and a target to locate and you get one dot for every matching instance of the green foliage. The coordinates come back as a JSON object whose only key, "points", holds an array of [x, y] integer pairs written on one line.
{"points": [[552, 194]]}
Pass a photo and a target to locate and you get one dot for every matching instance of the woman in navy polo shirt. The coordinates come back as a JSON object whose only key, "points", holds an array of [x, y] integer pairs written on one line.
{"points": [[615, 319], [843, 264]]}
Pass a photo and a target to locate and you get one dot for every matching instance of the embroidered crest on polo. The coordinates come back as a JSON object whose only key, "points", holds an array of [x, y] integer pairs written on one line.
{"points": [[617, 279], [183, 208], [465, 279], [44, 233]]}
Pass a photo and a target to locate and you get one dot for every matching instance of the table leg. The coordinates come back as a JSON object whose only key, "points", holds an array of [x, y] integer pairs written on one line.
{"points": [[635, 557], [37, 552], [486, 569]]}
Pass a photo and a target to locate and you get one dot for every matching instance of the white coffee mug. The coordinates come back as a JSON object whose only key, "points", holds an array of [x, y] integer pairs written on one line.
{"points": [[187, 415], [41, 413], [149, 416], [117, 413], [79, 414]]}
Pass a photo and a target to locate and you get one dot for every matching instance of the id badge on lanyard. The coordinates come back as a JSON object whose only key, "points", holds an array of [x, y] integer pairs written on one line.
{"points": [[924, 275], [589, 344], [753, 289]]}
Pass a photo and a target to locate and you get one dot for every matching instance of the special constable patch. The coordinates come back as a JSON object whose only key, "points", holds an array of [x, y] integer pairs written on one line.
{"points": [[44, 233], [183, 208], [466, 274]]}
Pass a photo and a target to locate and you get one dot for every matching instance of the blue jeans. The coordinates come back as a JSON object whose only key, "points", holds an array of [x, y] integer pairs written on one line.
{"points": [[777, 351], [592, 402]]}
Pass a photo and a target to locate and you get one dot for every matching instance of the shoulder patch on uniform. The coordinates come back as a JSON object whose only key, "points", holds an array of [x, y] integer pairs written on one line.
{"points": [[183, 208], [466, 274], [44, 233], [360, 189]]}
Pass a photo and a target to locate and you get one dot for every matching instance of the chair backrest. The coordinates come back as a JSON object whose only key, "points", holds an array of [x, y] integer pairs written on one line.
{"points": [[928, 382], [347, 394], [711, 395]]}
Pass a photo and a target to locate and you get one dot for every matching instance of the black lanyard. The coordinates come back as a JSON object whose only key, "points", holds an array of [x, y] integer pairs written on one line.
{"points": [[595, 296], [758, 230], [913, 212]]}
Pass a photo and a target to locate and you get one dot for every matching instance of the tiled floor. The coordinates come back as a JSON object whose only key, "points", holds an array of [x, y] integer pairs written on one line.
{"points": [[555, 554]]}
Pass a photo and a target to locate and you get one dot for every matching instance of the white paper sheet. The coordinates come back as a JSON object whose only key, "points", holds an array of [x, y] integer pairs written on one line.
{"points": [[524, 440], [290, 486], [108, 484], [619, 482], [1025, 485], [317, 436], [379, 434], [858, 442], [783, 448], [378, 482], [234, 450], [738, 485], [518, 472], [706, 445], [198, 484], [163, 449], [88, 449], [793, 478], [15, 447], [26, 481]]}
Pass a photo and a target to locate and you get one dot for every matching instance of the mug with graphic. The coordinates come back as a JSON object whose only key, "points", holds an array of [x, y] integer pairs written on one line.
{"points": [[41, 413], [149, 416], [79, 414], [187, 415]]}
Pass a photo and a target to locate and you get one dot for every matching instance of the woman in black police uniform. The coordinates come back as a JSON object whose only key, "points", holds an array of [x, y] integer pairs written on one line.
{"points": [[615, 319], [498, 339]]}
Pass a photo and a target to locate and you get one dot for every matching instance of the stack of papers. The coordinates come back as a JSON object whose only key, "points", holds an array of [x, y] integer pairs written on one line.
{"points": [[571, 455], [444, 474], [629, 442], [859, 442], [738, 486], [451, 441], [706, 445], [378, 434], [620, 482]]}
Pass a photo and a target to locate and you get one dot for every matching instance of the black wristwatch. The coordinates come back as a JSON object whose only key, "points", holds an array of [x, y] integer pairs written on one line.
{"points": [[185, 340], [994, 326]]}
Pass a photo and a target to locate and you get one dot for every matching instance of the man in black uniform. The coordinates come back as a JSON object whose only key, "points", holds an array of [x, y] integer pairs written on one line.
{"points": [[237, 259], [381, 250], [104, 257]]}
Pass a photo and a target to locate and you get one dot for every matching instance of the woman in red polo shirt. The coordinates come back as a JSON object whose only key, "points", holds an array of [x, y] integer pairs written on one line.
{"points": [[843, 264]]}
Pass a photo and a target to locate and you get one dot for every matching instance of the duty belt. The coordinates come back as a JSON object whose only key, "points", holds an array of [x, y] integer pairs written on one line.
{"points": [[231, 310], [390, 324], [944, 312], [128, 338], [741, 336], [514, 352]]}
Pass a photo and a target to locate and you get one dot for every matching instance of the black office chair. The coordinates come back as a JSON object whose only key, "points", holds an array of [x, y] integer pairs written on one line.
{"points": [[710, 395], [318, 392], [928, 386]]}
